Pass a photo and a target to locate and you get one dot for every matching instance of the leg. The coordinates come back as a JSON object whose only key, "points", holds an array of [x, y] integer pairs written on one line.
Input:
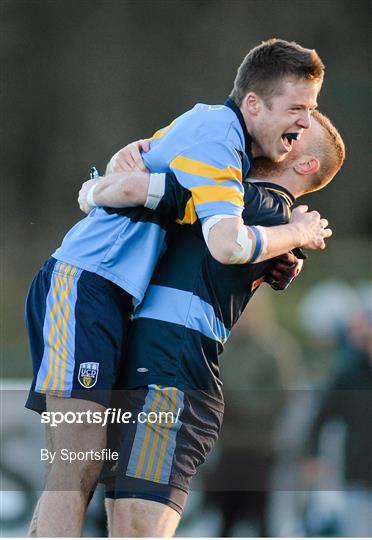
{"points": [[129, 521], [63, 305], [158, 460], [109, 506], [33, 524], [69, 485]]}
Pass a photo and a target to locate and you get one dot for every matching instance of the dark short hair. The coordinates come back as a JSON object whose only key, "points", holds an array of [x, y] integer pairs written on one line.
{"points": [[269, 63]]}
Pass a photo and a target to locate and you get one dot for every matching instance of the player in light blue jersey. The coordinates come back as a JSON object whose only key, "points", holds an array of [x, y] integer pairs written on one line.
{"points": [[80, 302]]}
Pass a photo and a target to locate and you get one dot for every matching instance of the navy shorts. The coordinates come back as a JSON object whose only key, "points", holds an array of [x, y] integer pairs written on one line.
{"points": [[77, 323], [159, 453]]}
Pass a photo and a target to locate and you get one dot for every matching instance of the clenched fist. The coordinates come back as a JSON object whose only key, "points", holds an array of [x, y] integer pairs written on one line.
{"points": [[313, 229], [283, 271]]}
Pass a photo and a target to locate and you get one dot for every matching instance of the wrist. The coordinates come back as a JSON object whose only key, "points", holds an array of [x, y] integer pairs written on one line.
{"points": [[90, 196], [299, 234]]}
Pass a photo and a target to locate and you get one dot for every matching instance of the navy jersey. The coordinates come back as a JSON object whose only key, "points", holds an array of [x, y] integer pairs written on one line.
{"points": [[193, 302], [207, 151]]}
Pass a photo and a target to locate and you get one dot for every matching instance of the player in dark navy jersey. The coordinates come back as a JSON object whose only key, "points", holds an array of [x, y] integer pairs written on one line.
{"points": [[178, 333]]}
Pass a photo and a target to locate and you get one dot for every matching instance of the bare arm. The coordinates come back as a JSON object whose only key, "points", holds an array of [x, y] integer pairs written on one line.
{"points": [[116, 190], [306, 229]]}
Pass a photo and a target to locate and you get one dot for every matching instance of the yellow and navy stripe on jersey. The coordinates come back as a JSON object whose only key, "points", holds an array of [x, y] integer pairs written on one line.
{"points": [[208, 150]]}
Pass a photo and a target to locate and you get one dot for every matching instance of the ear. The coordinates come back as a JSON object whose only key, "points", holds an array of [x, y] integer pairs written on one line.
{"points": [[252, 103], [307, 165]]}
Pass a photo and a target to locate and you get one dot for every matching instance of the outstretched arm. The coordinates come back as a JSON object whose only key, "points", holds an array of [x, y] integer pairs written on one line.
{"points": [[305, 229]]}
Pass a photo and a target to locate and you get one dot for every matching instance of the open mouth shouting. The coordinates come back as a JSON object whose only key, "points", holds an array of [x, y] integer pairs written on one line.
{"points": [[288, 139]]}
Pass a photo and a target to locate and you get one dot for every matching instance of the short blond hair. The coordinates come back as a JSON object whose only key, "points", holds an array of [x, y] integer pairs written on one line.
{"points": [[330, 150]]}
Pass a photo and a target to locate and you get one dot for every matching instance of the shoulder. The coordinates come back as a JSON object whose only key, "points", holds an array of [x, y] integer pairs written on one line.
{"points": [[212, 123], [263, 205], [201, 132]]}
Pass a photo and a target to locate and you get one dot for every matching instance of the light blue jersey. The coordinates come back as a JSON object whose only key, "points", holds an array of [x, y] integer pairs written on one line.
{"points": [[205, 149], [117, 247]]}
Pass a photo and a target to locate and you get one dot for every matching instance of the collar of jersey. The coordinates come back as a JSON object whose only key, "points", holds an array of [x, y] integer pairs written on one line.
{"points": [[247, 138], [287, 195]]}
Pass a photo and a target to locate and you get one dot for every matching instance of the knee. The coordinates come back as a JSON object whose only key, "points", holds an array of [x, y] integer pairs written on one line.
{"points": [[88, 476], [135, 518], [130, 519], [77, 473]]}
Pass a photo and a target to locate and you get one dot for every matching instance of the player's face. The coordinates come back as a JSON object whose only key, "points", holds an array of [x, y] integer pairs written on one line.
{"points": [[287, 113]]}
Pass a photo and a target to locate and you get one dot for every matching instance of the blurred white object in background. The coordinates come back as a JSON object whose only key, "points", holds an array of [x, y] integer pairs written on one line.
{"points": [[327, 307]]}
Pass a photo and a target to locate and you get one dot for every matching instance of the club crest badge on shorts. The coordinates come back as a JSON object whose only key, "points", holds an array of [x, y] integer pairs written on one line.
{"points": [[88, 374]]}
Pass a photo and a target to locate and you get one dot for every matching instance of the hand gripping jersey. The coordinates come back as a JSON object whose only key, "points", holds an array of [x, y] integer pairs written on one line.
{"points": [[193, 302], [207, 149]]}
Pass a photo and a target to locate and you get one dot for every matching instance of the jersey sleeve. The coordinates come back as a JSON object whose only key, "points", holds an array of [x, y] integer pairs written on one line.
{"points": [[212, 172]]}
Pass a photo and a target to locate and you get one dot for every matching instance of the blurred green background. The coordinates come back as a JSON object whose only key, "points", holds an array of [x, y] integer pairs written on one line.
{"points": [[80, 79]]}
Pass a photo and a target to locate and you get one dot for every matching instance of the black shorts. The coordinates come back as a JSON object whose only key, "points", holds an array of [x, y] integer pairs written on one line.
{"points": [[77, 324], [157, 459]]}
